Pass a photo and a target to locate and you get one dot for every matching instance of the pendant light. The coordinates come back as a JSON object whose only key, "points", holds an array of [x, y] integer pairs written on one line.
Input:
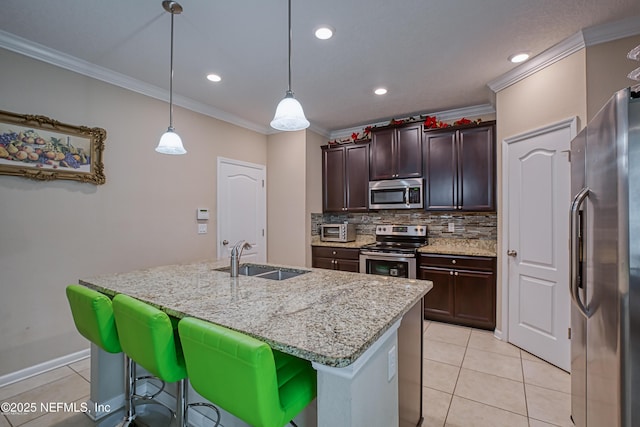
{"points": [[170, 142], [289, 115]]}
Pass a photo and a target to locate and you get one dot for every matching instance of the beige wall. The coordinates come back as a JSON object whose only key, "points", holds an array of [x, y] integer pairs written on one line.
{"points": [[607, 69], [314, 184], [286, 205], [551, 95], [52, 233]]}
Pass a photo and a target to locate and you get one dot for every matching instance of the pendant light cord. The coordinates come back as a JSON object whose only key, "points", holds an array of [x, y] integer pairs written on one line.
{"points": [[171, 77], [290, 36]]}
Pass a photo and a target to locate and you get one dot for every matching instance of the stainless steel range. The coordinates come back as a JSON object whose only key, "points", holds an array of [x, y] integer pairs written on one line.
{"points": [[394, 252]]}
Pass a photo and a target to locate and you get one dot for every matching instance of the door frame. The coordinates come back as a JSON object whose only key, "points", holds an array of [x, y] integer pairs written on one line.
{"points": [[572, 124]]}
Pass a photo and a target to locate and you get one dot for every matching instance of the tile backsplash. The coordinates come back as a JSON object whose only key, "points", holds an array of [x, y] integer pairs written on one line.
{"points": [[467, 225]]}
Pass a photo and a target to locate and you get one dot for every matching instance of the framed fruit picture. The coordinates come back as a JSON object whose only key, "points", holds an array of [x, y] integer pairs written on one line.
{"points": [[44, 149]]}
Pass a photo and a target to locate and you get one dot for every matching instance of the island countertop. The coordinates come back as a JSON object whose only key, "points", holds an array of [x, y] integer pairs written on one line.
{"points": [[325, 316]]}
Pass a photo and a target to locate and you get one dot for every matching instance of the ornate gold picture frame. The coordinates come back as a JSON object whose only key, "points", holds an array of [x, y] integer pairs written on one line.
{"points": [[44, 149]]}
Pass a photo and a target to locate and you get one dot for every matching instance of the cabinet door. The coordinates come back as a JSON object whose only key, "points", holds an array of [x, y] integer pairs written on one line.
{"points": [[382, 154], [408, 152], [347, 265], [476, 172], [326, 263], [333, 179], [475, 298], [357, 177], [439, 301], [441, 192]]}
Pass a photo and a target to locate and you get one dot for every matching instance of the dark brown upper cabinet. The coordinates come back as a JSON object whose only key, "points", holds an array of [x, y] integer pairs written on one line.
{"points": [[460, 168], [395, 152], [345, 178]]}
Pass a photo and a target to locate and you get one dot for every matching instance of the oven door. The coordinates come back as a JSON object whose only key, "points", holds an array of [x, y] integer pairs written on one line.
{"points": [[388, 264]]}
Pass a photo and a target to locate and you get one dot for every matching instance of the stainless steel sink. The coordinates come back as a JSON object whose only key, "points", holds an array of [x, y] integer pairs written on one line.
{"points": [[265, 271]]}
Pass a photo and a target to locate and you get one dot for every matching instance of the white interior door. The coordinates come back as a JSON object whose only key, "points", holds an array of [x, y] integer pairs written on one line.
{"points": [[242, 208], [537, 195]]}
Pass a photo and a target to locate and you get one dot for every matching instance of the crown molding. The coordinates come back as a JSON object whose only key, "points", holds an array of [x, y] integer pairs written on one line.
{"points": [[550, 56], [446, 115], [587, 37], [42, 53]]}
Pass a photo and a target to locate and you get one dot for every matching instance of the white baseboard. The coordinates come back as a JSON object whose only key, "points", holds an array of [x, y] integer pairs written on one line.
{"points": [[31, 371], [498, 334]]}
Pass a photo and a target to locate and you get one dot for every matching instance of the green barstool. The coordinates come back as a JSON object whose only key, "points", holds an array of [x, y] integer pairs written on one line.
{"points": [[149, 337], [93, 316], [244, 376]]}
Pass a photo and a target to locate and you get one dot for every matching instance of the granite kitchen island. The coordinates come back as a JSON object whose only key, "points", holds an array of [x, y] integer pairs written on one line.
{"points": [[346, 324]]}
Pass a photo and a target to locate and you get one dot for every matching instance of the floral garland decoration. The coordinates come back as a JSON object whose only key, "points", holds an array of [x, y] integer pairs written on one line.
{"points": [[430, 122]]}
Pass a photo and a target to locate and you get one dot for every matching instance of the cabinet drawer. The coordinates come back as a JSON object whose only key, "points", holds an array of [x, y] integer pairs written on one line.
{"points": [[335, 252], [458, 262]]}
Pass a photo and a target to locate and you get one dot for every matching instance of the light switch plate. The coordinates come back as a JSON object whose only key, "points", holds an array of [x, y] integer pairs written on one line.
{"points": [[202, 228], [452, 227]]}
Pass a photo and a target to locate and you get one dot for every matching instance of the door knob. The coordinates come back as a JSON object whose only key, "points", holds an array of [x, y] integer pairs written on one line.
{"points": [[511, 252], [225, 242]]}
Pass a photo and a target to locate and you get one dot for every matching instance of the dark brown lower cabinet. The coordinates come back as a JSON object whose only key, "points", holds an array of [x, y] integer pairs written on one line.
{"points": [[336, 258], [464, 289]]}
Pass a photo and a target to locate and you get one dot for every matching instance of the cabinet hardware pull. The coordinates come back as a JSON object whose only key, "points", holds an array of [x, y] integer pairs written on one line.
{"points": [[456, 273], [451, 273], [453, 261]]}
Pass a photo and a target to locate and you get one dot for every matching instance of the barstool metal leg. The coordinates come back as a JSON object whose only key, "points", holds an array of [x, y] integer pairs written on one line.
{"points": [[129, 392], [181, 403]]}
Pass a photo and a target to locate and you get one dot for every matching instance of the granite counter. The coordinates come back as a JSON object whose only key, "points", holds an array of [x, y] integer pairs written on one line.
{"points": [[324, 316], [469, 247], [347, 324]]}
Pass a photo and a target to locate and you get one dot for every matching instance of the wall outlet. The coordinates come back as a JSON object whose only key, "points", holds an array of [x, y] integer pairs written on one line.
{"points": [[452, 227], [393, 363], [202, 228]]}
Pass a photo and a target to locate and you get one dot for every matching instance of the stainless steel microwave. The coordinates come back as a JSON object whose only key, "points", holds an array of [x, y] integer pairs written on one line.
{"points": [[396, 194], [337, 232]]}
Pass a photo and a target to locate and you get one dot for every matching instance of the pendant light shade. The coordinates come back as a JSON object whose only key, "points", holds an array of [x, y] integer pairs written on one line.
{"points": [[170, 142], [289, 115]]}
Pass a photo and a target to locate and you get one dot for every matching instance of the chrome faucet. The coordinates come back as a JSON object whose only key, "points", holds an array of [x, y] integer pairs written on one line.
{"points": [[236, 253]]}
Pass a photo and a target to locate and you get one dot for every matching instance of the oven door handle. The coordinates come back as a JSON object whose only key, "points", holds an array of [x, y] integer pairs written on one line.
{"points": [[384, 255]]}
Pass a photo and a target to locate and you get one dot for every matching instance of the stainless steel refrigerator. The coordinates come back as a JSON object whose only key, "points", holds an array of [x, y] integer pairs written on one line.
{"points": [[605, 267]]}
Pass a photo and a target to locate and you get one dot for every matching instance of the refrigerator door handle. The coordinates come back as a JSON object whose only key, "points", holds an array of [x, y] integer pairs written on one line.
{"points": [[574, 250]]}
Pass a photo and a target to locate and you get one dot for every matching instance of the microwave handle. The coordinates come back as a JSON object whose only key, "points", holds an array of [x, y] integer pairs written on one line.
{"points": [[406, 196]]}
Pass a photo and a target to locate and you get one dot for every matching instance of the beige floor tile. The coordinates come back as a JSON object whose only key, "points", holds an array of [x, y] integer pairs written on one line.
{"points": [[451, 334], [493, 363], [483, 340], [65, 390], [62, 418], [4, 422], [435, 405], [491, 390], [19, 387], [444, 352], [546, 375], [465, 413], [425, 325], [440, 376], [528, 356], [549, 405], [537, 423], [81, 365]]}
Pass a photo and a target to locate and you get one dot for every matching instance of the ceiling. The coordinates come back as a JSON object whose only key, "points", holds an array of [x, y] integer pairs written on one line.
{"points": [[431, 55]]}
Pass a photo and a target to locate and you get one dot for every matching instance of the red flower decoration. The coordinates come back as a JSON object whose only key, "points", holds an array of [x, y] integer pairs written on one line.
{"points": [[462, 121], [396, 122], [430, 122], [367, 130]]}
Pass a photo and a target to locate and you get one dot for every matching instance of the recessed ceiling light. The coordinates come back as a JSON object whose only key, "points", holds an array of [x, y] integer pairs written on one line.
{"points": [[214, 77], [324, 32], [380, 91], [519, 57]]}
